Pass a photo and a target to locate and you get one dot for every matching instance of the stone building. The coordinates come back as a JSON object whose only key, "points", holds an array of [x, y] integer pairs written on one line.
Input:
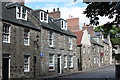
{"points": [[83, 50], [19, 31], [58, 45], [93, 49], [97, 53], [34, 44]]}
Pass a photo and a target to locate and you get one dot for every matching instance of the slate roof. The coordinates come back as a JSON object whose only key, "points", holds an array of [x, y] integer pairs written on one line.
{"points": [[79, 35], [52, 25], [9, 15], [95, 42], [106, 41]]}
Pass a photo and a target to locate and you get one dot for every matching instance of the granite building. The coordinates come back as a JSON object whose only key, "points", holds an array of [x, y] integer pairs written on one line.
{"points": [[58, 45], [34, 44]]}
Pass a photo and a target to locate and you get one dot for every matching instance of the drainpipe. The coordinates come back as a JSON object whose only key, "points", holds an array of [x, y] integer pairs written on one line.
{"points": [[81, 57]]}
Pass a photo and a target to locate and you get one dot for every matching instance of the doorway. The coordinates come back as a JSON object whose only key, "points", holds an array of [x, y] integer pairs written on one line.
{"points": [[78, 64], [59, 64], [5, 69]]}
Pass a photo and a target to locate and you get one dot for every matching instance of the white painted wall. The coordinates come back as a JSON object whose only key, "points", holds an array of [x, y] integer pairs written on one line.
{"points": [[85, 38]]}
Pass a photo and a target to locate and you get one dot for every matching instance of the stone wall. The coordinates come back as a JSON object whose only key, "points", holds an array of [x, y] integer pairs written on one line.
{"points": [[0, 49], [16, 50], [60, 47]]}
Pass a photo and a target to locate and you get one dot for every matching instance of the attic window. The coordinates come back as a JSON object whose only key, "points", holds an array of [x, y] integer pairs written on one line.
{"points": [[63, 25], [43, 17], [21, 13]]}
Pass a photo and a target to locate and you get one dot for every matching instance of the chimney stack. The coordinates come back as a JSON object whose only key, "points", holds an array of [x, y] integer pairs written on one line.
{"points": [[57, 9], [73, 23], [55, 14]]}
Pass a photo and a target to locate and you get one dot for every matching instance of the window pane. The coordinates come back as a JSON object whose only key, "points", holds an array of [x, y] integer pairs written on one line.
{"points": [[51, 59], [26, 37], [24, 13], [45, 16], [41, 16], [50, 38], [6, 33], [26, 63], [62, 24]]}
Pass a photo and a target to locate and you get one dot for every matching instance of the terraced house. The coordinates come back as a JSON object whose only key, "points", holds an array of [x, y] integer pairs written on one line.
{"points": [[19, 31], [33, 44], [58, 45], [92, 49]]}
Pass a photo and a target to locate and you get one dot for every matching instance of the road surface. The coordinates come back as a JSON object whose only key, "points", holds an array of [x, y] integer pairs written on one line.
{"points": [[105, 72]]}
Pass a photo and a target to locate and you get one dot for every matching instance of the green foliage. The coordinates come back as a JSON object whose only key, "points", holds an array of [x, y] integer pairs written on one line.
{"points": [[117, 56], [114, 33], [115, 41], [108, 9]]}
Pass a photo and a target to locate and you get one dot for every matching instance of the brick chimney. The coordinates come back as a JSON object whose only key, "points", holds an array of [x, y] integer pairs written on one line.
{"points": [[73, 23], [55, 14], [20, 1]]}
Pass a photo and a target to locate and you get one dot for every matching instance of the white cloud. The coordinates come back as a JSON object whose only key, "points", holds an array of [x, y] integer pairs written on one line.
{"points": [[75, 12]]}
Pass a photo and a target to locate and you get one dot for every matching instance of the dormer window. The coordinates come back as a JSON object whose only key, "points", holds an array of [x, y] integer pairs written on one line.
{"points": [[43, 16], [63, 25], [21, 13]]}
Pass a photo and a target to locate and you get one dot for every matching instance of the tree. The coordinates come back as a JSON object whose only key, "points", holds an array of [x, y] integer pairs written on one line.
{"points": [[108, 9], [114, 33]]}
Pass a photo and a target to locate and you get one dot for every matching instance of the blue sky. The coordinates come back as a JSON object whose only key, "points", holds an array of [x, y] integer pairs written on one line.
{"points": [[34, 5], [67, 7]]}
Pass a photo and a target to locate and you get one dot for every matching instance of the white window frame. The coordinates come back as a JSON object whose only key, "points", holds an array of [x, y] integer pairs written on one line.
{"points": [[26, 63], [70, 43], [71, 62], [42, 17], [6, 35], [98, 49], [63, 25], [21, 13], [27, 38], [53, 62], [65, 61], [94, 60], [50, 39]]}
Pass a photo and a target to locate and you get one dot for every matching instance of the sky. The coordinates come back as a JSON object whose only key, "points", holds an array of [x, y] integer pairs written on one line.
{"points": [[74, 8]]}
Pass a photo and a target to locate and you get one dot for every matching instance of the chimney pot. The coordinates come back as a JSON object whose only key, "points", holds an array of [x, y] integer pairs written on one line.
{"points": [[57, 9], [54, 10], [84, 24], [47, 11]]}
